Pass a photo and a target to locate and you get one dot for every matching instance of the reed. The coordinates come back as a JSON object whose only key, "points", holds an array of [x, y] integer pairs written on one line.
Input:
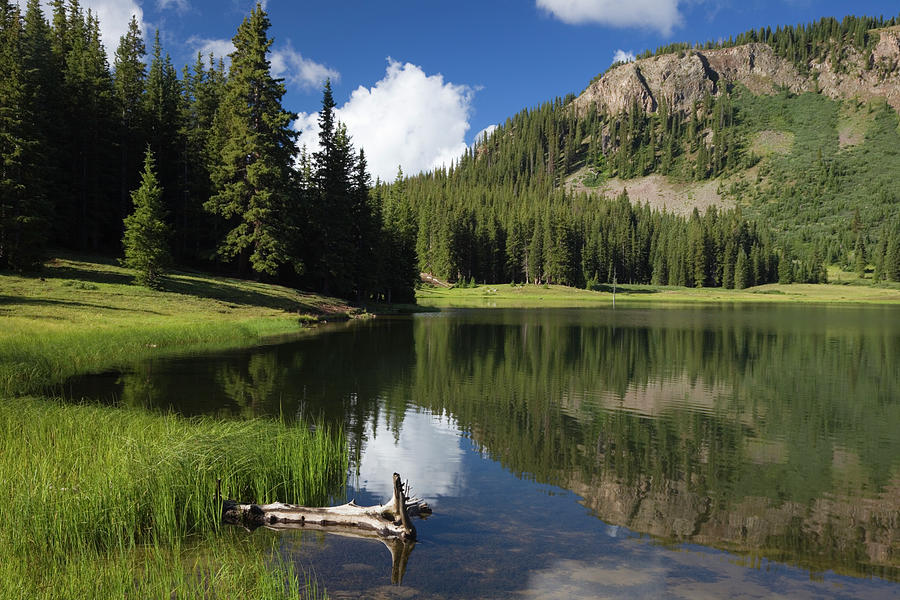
{"points": [[91, 492]]}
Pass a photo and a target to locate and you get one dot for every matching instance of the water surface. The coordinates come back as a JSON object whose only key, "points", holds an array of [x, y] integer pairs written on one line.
{"points": [[706, 451]]}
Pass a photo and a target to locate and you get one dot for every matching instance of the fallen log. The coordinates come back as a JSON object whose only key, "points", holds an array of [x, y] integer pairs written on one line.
{"points": [[384, 521]]}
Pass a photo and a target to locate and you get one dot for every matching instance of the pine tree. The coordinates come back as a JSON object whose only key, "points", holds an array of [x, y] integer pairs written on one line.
{"points": [[536, 253], [202, 90], [786, 267], [42, 81], [728, 266], [146, 238], [12, 189], [89, 216], [741, 270], [130, 75], [332, 202], [892, 253], [859, 257], [366, 227], [163, 112], [252, 174], [399, 245]]}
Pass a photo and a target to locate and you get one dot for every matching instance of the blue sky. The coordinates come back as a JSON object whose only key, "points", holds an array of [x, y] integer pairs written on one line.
{"points": [[417, 80]]}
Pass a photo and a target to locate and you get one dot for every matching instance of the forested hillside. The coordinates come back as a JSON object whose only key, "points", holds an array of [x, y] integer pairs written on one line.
{"points": [[796, 127], [236, 193], [793, 133]]}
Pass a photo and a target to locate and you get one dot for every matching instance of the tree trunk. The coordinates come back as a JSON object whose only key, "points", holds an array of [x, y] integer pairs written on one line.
{"points": [[385, 521]]}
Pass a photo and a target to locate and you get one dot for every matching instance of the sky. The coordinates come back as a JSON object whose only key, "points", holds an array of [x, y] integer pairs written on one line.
{"points": [[416, 81]]}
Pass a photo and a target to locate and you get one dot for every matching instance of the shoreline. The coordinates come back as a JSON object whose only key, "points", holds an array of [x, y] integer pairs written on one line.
{"points": [[556, 296], [79, 316]]}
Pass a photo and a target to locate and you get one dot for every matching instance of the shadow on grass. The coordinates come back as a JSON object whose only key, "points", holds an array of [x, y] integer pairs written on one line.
{"points": [[186, 283], [608, 288], [84, 269], [85, 274], [20, 300]]}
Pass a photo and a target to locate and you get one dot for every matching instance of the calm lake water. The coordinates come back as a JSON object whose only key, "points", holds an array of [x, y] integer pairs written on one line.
{"points": [[748, 451]]}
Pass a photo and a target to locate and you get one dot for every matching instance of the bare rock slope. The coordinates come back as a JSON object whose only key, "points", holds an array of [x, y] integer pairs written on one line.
{"points": [[686, 77]]}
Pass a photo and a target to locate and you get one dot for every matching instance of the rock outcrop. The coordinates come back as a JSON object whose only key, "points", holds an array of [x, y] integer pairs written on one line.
{"points": [[686, 77]]}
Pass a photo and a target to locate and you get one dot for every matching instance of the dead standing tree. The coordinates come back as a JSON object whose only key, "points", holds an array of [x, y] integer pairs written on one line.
{"points": [[390, 523]]}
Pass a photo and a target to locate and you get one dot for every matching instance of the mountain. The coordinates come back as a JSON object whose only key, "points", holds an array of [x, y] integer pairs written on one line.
{"points": [[684, 78], [791, 135]]}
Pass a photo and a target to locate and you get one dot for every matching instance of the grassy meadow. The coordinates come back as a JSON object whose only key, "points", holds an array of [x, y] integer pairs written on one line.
{"points": [[850, 291], [106, 502], [80, 316]]}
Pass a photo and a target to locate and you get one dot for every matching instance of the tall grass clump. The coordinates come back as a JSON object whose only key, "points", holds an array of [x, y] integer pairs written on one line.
{"points": [[212, 570], [98, 482]]}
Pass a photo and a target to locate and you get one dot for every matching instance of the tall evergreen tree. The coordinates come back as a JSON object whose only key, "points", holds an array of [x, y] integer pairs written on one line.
{"points": [[859, 257], [741, 270], [130, 79], [331, 202], [399, 273], [88, 217], [146, 238], [12, 191], [202, 90], [366, 229], [252, 173], [892, 252], [42, 79], [786, 267], [162, 107]]}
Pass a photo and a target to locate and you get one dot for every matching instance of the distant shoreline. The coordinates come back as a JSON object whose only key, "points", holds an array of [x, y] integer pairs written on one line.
{"points": [[539, 296]]}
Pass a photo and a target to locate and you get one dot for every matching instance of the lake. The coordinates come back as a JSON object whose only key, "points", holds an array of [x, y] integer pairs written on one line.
{"points": [[714, 451]]}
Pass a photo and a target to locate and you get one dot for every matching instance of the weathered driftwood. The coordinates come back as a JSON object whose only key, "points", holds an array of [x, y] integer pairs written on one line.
{"points": [[385, 521]]}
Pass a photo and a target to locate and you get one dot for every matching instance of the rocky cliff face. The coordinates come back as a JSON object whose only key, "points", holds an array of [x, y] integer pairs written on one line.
{"points": [[684, 78]]}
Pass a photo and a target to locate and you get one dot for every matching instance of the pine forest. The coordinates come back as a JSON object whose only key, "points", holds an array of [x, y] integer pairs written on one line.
{"points": [[237, 195]]}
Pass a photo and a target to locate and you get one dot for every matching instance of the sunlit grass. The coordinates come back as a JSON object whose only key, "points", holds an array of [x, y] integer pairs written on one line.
{"points": [[105, 502], [87, 316], [97, 495], [534, 296]]}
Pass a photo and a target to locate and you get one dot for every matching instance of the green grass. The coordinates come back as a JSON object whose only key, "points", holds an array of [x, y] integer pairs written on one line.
{"points": [[534, 296], [107, 502], [126, 497], [84, 316], [208, 571]]}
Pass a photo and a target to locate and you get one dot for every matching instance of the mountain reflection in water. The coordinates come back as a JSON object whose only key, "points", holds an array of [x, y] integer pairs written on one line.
{"points": [[769, 432]]}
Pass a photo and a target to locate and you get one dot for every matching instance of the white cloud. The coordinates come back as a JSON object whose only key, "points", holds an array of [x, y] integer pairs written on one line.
{"points": [[179, 5], [114, 17], [427, 451], [622, 56], [285, 62], [302, 72], [408, 118], [485, 133], [661, 15], [220, 48]]}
